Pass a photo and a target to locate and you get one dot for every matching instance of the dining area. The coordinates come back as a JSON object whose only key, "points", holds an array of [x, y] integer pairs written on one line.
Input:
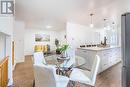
{"points": [[63, 71]]}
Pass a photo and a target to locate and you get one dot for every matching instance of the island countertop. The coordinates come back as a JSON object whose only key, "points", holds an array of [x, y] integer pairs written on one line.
{"points": [[98, 48], [109, 56]]}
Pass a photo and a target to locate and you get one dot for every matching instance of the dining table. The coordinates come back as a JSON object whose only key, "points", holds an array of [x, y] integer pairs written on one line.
{"points": [[57, 61], [53, 60]]}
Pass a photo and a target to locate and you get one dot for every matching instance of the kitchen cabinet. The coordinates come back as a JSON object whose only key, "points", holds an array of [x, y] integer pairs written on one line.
{"points": [[109, 56]]}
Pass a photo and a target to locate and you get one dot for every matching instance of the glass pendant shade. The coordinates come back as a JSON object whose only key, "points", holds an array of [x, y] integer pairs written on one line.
{"points": [[91, 24]]}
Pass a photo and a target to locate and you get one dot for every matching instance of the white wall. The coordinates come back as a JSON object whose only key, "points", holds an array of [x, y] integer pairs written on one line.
{"points": [[6, 27], [119, 36], [9, 54], [18, 36], [61, 36], [29, 39], [2, 46], [78, 35]]}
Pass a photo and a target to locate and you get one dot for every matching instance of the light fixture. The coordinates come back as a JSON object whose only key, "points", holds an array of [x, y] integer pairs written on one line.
{"points": [[108, 28], [91, 24], [105, 24], [48, 26], [113, 26], [113, 23]]}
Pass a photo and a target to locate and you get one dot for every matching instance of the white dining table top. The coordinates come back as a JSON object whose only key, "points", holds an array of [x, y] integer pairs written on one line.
{"points": [[79, 61]]}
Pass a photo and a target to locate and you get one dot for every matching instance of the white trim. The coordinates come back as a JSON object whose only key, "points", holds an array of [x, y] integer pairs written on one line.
{"points": [[14, 66], [20, 60]]}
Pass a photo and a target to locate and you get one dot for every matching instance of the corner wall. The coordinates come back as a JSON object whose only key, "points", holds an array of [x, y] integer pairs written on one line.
{"points": [[18, 37]]}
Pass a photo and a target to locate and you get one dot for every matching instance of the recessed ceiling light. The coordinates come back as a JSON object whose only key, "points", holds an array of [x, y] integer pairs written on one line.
{"points": [[48, 26]]}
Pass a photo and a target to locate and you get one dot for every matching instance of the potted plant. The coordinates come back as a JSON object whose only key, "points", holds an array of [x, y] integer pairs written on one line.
{"points": [[57, 46], [64, 49]]}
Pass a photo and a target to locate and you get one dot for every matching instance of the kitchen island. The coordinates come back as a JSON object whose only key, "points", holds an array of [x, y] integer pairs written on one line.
{"points": [[109, 56]]}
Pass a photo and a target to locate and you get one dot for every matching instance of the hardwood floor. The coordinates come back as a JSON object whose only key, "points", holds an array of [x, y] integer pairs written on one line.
{"points": [[23, 76]]}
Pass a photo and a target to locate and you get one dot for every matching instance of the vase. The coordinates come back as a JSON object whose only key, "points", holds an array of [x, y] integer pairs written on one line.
{"points": [[64, 54]]}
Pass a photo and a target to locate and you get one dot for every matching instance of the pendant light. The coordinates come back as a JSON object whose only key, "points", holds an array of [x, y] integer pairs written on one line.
{"points": [[105, 24], [91, 24], [113, 26]]}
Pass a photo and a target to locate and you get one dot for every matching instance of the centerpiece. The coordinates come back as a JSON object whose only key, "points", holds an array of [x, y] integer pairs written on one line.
{"points": [[63, 50]]}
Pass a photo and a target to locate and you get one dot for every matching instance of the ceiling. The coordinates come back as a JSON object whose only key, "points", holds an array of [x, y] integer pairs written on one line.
{"points": [[39, 13]]}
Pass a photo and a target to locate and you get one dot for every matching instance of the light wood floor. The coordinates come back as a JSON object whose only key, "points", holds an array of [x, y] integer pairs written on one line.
{"points": [[23, 76]]}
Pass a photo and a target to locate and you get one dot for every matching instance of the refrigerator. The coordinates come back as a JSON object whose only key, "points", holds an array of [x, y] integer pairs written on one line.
{"points": [[125, 46]]}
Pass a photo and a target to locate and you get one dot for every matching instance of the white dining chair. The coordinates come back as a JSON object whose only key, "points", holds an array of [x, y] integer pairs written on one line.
{"points": [[84, 76], [45, 76], [38, 58]]}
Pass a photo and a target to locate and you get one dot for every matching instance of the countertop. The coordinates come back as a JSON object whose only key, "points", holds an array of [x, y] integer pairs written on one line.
{"points": [[98, 48]]}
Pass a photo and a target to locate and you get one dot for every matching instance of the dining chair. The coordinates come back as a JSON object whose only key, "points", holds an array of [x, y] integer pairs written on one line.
{"points": [[38, 58], [84, 76], [45, 76]]}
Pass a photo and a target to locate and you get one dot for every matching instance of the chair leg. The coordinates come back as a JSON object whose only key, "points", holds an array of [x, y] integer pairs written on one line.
{"points": [[91, 86], [72, 84], [33, 83]]}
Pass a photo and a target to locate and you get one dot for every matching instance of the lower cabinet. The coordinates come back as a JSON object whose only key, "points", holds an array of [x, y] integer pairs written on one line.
{"points": [[109, 57]]}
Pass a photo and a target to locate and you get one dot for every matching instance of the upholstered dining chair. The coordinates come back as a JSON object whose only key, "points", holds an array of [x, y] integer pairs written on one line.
{"points": [[38, 58], [84, 76], [45, 76]]}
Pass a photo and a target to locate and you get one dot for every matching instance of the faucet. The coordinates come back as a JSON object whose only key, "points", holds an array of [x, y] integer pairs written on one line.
{"points": [[105, 41]]}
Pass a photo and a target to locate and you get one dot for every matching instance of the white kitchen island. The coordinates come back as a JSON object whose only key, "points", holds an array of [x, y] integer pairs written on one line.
{"points": [[109, 56]]}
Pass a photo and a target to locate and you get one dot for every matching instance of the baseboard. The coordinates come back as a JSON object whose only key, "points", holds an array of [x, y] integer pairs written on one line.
{"points": [[10, 82], [27, 55], [20, 61], [14, 66]]}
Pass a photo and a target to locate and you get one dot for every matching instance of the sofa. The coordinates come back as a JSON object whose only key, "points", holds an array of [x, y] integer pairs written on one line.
{"points": [[42, 48]]}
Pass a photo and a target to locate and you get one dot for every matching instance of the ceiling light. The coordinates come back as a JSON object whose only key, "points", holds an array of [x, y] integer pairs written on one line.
{"points": [[105, 24], [48, 26], [91, 24], [113, 27], [108, 28], [105, 28], [113, 23]]}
